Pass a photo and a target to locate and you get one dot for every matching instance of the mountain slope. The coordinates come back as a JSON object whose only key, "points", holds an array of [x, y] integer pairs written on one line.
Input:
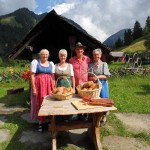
{"points": [[110, 41], [136, 46], [14, 27]]}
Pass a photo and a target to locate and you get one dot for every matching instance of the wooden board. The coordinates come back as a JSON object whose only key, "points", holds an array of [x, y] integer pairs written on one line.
{"points": [[79, 105]]}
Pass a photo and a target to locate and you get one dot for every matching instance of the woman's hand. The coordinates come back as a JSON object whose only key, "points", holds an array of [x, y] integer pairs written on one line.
{"points": [[102, 77], [93, 79], [34, 92]]}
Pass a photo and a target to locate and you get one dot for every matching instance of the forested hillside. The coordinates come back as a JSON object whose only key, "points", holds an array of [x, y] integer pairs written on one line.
{"points": [[14, 27]]}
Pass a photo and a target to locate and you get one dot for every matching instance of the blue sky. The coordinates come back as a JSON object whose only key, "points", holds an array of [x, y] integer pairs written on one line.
{"points": [[46, 5], [100, 18], [41, 6]]}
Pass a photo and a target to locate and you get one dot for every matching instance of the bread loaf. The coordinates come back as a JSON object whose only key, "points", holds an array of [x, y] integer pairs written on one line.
{"points": [[87, 84], [54, 90], [68, 89], [65, 91], [73, 91]]}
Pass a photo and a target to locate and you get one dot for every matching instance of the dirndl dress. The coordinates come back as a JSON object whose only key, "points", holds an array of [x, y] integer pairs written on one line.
{"points": [[44, 84]]}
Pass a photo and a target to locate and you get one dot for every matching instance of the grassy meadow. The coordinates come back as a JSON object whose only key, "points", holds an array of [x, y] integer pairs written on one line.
{"points": [[130, 94], [135, 46]]}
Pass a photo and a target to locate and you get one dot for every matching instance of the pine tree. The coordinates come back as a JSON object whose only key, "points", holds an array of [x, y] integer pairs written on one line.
{"points": [[118, 43], [137, 31], [128, 37], [147, 33], [147, 26]]}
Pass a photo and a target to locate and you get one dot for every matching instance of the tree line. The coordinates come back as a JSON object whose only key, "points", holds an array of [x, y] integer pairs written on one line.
{"points": [[132, 34]]}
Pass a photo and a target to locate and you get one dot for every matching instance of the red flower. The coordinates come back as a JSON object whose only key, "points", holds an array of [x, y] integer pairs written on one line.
{"points": [[26, 75]]}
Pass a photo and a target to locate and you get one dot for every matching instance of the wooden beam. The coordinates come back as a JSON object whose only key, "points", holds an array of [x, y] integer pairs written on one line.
{"points": [[25, 44], [72, 125]]}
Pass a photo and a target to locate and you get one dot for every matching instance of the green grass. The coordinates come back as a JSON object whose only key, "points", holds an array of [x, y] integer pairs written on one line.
{"points": [[135, 46], [130, 94], [10, 21], [10, 100]]}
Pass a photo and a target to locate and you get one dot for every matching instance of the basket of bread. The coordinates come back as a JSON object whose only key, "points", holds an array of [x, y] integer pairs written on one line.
{"points": [[90, 88], [62, 93]]}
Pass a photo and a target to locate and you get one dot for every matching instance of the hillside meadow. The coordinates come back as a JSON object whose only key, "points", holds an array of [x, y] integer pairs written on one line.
{"points": [[134, 47]]}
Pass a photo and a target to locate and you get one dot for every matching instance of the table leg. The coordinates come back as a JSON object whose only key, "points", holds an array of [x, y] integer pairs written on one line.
{"points": [[53, 132], [95, 131]]}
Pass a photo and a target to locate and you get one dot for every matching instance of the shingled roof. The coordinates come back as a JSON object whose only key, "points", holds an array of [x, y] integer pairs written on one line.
{"points": [[53, 33]]}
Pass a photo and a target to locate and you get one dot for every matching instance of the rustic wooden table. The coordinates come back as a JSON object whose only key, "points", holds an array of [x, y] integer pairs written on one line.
{"points": [[53, 108]]}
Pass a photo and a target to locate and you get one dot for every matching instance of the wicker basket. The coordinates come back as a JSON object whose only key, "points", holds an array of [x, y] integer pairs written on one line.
{"points": [[62, 96], [93, 93]]}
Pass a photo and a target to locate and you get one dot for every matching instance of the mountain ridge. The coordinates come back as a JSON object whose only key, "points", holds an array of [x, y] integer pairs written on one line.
{"points": [[15, 26], [110, 41]]}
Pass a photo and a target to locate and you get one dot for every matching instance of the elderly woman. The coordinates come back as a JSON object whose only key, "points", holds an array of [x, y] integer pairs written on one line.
{"points": [[64, 69], [42, 83], [100, 69]]}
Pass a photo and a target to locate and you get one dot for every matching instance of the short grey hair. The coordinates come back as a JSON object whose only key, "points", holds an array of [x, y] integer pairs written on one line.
{"points": [[44, 50], [97, 51], [62, 51]]}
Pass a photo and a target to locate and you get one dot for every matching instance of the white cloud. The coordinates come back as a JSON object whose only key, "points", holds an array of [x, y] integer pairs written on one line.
{"points": [[100, 18], [63, 8], [103, 18], [39, 13], [8, 6]]}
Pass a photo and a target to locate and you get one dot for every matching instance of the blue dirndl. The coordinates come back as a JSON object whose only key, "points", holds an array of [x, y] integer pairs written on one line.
{"points": [[104, 90]]}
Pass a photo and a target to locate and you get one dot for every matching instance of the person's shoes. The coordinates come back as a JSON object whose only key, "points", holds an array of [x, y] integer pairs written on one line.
{"points": [[102, 123], [40, 128]]}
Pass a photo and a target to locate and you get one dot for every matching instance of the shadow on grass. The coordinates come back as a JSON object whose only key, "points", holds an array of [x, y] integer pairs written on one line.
{"points": [[146, 90], [17, 125], [22, 99]]}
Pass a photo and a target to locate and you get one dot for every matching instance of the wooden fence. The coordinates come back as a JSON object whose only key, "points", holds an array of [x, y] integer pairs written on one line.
{"points": [[133, 65]]}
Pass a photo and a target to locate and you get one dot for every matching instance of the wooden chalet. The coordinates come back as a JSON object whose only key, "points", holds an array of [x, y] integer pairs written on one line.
{"points": [[117, 56], [56, 32]]}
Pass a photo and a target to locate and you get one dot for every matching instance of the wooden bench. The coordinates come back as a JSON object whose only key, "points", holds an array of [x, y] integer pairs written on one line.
{"points": [[14, 91]]}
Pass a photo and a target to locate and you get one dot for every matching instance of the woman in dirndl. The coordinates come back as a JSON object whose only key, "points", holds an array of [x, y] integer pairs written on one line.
{"points": [[100, 69], [42, 83], [64, 69]]}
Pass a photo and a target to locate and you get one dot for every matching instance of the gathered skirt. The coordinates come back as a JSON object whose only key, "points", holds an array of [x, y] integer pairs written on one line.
{"points": [[44, 86]]}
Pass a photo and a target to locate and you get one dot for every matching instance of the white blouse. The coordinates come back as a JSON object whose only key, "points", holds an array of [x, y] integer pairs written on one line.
{"points": [[71, 69], [34, 63]]}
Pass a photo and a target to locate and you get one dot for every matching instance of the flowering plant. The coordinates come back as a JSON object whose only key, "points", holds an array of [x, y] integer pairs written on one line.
{"points": [[11, 70], [26, 74]]}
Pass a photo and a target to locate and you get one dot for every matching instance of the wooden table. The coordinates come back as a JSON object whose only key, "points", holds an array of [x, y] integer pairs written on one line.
{"points": [[53, 108]]}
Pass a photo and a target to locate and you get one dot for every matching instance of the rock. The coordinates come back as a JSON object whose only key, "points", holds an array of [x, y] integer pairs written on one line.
{"points": [[35, 137], [2, 120], [124, 143], [135, 122], [27, 117], [4, 135]]}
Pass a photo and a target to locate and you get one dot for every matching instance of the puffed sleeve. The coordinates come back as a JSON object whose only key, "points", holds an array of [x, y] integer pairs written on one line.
{"points": [[33, 66], [53, 67], [71, 69], [106, 70]]}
